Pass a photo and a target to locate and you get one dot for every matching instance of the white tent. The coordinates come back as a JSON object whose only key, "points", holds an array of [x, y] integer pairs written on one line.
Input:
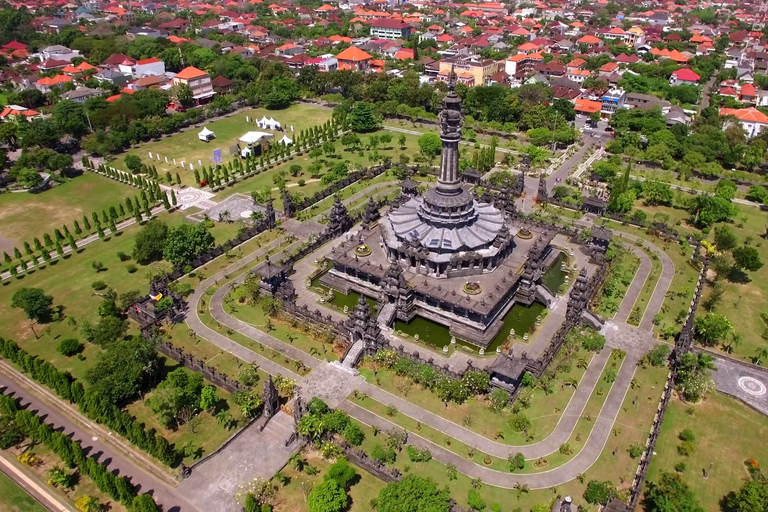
{"points": [[263, 122], [245, 152], [285, 141], [205, 135], [252, 138], [272, 124]]}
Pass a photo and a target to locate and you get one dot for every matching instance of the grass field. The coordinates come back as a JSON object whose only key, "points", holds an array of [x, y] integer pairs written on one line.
{"points": [[185, 146], [24, 216], [15, 499], [717, 443]]}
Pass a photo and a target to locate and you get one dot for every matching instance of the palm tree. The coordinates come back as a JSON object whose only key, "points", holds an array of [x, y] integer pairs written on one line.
{"points": [[582, 363], [736, 339], [521, 489], [477, 483], [762, 353]]}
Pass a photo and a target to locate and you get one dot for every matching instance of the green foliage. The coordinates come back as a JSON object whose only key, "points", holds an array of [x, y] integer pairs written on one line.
{"points": [[670, 493], [176, 399], [430, 145], [328, 496], [747, 258], [519, 422], [516, 462], [362, 118], [354, 435], [658, 355], [413, 493], [69, 347], [122, 369], [725, 239], [753, 495], [383, 454], [686, 435], [417, 455], [150, 242], [712, 328], [598, 493], [34, 302], [475, 501], [342, 473], [185, 242]]}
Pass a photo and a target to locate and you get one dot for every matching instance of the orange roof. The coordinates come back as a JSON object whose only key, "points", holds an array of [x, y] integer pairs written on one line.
{"points": [[8, 111], [58, 79], [339, 39], [354, 54], [588, 106], [577, 62], [588, 39], [190, 72], [609, 66], [579, 72], [748, 90], [324, 7], [526, 47], [179, 40], [749, 115]]}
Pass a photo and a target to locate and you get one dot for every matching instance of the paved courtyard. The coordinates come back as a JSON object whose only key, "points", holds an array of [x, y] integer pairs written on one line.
{"points": [[331, 383], [742, 381], [214, 483]]}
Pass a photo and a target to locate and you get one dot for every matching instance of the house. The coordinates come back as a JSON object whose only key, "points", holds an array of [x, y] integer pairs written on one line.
{"points": [[58, 52], [222, 84], [480, 69], [748, 93], [586, 107], [15, 112], [613, 100], [390, 29], [111, 77], [643, 101], [355, 59], [80, 94], [684, 77], [147, 82], [46, 85], [522, 64], [148, 67], [593, 43], [578, 75], [81, 68], [752, 120], [198, 81]]}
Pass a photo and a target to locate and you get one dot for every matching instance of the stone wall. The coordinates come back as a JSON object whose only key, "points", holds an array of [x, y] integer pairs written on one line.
{"points": [[374, 467], [192, 363]]}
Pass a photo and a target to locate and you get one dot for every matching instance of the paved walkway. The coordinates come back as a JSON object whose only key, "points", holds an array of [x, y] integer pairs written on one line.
{"points": [[636, 286], [744, 381], [252, 454], [546, 446], [579, 464]]}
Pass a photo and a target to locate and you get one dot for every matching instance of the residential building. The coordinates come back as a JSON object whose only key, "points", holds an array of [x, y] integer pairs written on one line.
{"points": [[522, 64], [613, 100], [684, 77], [15, 112], [353, 58], [58, 52], [46, 85], [480, 69], [111, 76], [149, 67], [586, 107], [80, 94], [752, 120], [643, 101], [198, 81], [578, 75], [390, 29]]}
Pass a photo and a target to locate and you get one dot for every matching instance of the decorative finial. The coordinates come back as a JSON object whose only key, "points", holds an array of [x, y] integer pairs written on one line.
{"points": [[452, 79]]}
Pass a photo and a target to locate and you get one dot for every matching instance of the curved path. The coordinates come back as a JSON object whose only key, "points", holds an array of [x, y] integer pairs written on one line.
{"points": [[565, 427]]}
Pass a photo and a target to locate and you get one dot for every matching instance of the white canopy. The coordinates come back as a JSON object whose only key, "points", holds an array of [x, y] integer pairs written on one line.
{"points": [[285, 141], [263, 122], [206, 134], [252, 138], [272, 124]]}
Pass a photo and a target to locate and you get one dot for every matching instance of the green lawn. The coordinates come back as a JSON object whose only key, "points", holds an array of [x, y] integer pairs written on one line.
{"points": [[717, 443], [544, 412], [24, 215], [187, 147], [15, 499], [622, 270], [356, 159]]}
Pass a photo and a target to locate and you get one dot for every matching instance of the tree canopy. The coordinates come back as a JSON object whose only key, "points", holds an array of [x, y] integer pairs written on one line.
{"points": [[34, 302], [185, 242], [413, 494]]}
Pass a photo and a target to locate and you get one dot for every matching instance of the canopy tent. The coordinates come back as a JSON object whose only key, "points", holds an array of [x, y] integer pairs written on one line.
{"points": [[262, 123], [272, 124], [252, 138], [285, 141], [205, 135]]}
